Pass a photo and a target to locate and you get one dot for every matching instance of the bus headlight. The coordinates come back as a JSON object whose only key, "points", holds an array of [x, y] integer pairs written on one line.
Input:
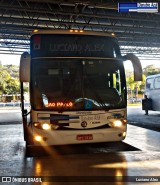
{"points": [[124, 134], [42, 126], [46, 126], [117, 123]]}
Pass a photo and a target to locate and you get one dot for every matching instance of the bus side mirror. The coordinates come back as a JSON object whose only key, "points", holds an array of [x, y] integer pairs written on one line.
{"points": [[136, 66], [24, 70]]}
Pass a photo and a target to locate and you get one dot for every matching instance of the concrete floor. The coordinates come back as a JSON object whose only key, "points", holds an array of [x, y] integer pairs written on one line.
{"points": [[136, 160], [136, 116]]}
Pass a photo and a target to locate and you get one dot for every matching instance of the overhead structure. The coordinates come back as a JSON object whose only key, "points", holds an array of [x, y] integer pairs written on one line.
{"points": [[137, 33]]}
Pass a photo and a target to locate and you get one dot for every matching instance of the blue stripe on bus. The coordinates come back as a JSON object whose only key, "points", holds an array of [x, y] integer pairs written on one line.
{"points": [[63, 117]]}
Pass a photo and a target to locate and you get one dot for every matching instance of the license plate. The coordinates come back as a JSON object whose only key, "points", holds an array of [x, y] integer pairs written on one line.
{"points": [[84, 137]]}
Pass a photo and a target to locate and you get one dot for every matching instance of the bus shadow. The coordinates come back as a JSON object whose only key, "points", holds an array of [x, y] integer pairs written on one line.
{"points": [[154, 115], [75, 149]]}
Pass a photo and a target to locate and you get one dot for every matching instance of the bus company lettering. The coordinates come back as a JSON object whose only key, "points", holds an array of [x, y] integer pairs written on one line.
{"points": [[91, 118], [84, 112], [76, 47], [60, 104]]}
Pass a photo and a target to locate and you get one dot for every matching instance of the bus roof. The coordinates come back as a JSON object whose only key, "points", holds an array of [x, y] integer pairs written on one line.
{"points": [[79, 32], [153, 76]]}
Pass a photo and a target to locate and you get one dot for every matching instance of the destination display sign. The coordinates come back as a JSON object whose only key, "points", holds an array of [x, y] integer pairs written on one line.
{"points": [[58, 45], [59, 104]]}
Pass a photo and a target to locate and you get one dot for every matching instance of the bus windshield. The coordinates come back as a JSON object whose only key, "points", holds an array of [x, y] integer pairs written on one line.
{"points": [[77, 84]]}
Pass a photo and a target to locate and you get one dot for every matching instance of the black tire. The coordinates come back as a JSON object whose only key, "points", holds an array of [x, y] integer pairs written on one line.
{"points": [[28, 151]]}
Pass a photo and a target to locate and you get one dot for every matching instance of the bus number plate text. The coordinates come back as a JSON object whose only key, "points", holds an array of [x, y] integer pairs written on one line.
{"points": [[84, 137]]}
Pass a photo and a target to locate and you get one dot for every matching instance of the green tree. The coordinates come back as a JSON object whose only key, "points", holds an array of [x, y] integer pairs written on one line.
{"points": [[13, 70], [151, 70], [4, 77], [9, 83], [12, 86], [131, 84]]}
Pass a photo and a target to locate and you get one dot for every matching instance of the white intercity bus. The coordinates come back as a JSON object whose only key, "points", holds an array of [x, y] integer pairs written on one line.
{"points": [[77, 88], [152, 90]]}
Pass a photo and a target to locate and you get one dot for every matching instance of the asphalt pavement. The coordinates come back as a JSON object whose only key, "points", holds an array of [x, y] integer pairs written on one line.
{"points": [[10, 115], [137, 117], [136, 157]]}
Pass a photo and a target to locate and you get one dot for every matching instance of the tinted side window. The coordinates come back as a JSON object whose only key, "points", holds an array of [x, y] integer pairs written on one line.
{"points": [[149, 83], [157, 83]]}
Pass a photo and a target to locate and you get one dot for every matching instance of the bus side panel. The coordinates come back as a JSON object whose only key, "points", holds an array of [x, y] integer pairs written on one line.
{"points": [[153, 92], [155, 96]]}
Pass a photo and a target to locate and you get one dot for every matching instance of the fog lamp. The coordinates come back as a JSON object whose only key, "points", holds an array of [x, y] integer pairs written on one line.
{"points": [[38, 138]]}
